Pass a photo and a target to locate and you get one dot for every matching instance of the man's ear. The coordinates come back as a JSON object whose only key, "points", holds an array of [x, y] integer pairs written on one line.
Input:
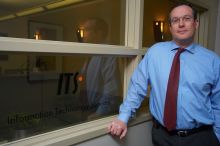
{"points": [[196, 23]]}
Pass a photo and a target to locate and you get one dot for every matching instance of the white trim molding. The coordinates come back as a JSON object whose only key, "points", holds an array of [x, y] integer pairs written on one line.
{"points": [[75, 134], [44, 46]]}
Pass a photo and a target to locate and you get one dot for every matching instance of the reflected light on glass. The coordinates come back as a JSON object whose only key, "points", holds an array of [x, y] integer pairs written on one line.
{"points": [[37, 35], [80, 78], [62, 3], [7, 17], [81, 32], [30, 11]]}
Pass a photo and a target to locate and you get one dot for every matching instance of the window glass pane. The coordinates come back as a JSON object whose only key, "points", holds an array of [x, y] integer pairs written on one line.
{"points": [[91, 21], [45, 92]]}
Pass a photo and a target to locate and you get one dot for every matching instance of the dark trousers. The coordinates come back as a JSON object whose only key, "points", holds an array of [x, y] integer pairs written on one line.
{"points": [[160, 137]]}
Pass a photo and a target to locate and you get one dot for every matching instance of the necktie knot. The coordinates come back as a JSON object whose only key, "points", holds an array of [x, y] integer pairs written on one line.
{"points": [[180, 50]]}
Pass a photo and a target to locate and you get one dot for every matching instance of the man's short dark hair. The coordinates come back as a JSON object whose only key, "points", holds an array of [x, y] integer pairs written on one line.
{"points": [[184, 4]]}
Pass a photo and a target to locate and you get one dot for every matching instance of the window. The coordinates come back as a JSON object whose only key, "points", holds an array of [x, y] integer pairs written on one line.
{"points": [[46, 71], [54, 92], [62, 20]]}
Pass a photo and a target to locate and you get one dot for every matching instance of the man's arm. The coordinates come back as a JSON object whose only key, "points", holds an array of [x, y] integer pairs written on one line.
{"points": [[136, 92]]}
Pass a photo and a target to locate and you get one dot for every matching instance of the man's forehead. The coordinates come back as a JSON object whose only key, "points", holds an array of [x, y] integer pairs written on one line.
{"points": [[181, 11]]}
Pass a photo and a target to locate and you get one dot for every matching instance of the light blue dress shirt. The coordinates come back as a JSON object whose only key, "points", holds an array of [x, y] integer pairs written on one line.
{"points": [[198, 100]]}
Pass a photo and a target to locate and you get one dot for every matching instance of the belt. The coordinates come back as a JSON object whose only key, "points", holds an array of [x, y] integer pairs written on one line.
{"points": [[182, 132]]}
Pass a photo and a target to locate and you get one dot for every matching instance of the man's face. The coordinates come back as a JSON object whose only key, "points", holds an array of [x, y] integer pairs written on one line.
{"points": [[183, 25]]}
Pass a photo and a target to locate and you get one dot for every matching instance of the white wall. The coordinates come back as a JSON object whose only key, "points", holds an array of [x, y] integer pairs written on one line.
{"points": [[138, 135], [217, 42], [212, 6]]}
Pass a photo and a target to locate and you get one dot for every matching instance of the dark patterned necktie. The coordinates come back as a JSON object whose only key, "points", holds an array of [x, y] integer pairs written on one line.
{"points": [[170, 109]]}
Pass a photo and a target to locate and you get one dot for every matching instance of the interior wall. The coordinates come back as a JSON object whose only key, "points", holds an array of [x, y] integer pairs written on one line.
{"points": [[212, 13], [138, 135], [15, 27], [159, 10], [156, 10], [217, 42]]}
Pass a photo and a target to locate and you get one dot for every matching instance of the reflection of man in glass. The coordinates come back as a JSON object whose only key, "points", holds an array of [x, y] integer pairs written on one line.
{"points": [[101, 72], [93, 30]]}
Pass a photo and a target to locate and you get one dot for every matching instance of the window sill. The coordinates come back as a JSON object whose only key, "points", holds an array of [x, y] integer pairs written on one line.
{"points": [[45, 46], [76, 134]]}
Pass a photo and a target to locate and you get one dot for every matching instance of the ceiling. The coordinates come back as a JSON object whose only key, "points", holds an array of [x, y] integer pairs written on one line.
{"points": [[15, 8], [12, 6]]}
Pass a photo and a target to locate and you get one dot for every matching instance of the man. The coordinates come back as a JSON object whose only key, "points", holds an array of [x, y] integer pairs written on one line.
{"points": [[185, 88], [102, 81]]}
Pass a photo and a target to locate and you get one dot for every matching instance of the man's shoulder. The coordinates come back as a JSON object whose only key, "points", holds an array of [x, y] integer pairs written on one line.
{"points": [[160, 47], [204, 52], [162, 44]]}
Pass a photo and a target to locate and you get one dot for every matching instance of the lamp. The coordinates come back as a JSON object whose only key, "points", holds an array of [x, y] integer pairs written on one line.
{"points": [[37, 35], [80, 34], [158, 27]]}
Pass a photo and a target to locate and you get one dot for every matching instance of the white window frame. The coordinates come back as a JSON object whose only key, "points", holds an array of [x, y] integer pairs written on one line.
{"points": [[133, 45]]}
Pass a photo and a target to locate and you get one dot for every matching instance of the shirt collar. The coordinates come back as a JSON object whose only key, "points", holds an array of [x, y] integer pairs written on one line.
{"points": [[190, 48]]}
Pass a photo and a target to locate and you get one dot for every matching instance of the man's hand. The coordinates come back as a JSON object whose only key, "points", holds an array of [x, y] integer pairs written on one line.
{"points": [[118, 128]]}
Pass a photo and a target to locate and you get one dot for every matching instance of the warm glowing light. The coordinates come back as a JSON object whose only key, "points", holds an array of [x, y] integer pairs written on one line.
{"points": [[158, 27], [80, 78], [161, 26], [37, 35], [80, 31]]}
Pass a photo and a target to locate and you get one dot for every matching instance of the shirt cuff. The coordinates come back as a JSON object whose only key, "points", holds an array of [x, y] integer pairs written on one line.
{"points": [[124, 117]]}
